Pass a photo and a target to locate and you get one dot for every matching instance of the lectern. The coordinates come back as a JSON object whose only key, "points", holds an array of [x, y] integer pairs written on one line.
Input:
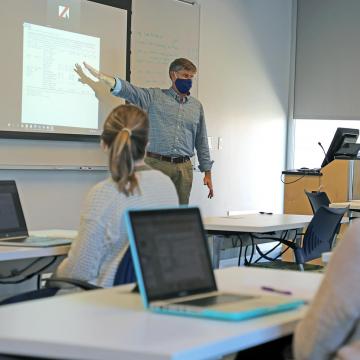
{"points": [[340, 179]]}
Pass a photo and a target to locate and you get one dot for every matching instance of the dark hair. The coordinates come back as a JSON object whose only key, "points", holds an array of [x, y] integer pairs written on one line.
{"points": [[182, 64], [125, 133]]}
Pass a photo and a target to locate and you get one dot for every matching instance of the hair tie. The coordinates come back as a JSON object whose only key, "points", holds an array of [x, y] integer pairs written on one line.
{"points": [[128, 131]]}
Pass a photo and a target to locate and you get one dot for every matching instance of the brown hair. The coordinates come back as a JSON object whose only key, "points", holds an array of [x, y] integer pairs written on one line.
{"points": [[125, 133], [182, 64]]}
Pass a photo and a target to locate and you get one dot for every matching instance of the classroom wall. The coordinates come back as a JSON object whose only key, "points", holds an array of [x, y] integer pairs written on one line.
{"points": [[52, 199], [243, 85]]}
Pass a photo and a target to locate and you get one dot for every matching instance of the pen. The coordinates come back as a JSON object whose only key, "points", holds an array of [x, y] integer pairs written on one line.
{"points": [[277, 291], [265, 213]]}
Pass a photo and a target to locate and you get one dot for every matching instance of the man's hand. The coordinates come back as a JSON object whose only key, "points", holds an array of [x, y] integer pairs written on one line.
{"points": [[107, 79], [82, 77], [208, 183], [92, 71]]}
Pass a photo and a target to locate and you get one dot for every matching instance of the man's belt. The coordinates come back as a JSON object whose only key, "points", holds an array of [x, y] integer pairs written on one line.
{"points": [[172, 159]]}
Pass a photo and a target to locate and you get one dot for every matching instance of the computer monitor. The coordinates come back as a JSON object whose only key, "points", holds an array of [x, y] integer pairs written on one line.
{"points": [[341, 144]]}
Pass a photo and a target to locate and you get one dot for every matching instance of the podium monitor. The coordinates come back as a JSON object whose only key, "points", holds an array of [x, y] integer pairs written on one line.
{"points": [[343, 143]]}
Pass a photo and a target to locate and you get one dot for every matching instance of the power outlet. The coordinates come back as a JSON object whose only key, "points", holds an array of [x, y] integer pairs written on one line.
{"points": [[220, 143], [210, 142]]}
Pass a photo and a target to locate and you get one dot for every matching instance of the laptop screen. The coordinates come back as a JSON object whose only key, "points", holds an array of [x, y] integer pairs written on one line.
{"points": [[173, 252], [12, 221]]}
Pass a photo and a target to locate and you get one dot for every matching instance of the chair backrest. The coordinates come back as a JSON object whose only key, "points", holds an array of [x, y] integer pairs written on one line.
{"points": [[317, 199], [125, 273], [320, 233]]}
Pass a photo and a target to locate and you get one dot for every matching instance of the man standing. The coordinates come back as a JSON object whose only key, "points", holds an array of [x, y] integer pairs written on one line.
{"points": [[177, 124]]}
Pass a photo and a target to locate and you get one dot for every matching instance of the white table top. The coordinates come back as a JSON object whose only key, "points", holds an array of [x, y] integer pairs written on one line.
{"points": [[353, 205], [257, 223], [8, 253], [111, 324]]}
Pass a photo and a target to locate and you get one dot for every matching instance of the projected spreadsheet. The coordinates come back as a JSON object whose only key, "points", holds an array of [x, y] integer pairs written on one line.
{"points": [[51, 92]]}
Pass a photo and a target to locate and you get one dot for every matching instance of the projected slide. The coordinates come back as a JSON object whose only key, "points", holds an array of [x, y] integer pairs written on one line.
{"points": [[51, 93]]}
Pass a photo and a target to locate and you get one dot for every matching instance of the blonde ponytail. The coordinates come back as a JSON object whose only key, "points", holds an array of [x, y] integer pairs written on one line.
{"points": [[125, 133]]}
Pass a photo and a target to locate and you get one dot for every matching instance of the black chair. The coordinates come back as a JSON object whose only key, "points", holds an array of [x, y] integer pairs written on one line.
{"points": [[318, 238], [125, 274], [317, 199]]}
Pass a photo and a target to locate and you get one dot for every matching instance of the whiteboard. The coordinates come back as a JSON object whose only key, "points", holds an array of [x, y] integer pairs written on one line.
{"points": [[162, 30]]}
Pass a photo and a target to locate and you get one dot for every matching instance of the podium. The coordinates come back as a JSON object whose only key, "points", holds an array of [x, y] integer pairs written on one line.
{"points": [[340, 179]]}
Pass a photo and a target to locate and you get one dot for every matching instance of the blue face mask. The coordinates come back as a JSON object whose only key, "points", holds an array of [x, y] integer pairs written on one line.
{"points": [[183, 85]]}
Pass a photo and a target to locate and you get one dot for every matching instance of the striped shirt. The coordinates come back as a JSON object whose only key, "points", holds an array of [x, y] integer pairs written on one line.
{"points": [[177, 126], [95, 254]]}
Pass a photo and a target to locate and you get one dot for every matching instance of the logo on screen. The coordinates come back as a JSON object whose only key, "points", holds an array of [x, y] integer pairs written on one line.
{"points": [[64, 12]]}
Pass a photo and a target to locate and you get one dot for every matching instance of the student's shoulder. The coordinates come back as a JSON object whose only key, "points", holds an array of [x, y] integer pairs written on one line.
{"points": [[102, 189]]}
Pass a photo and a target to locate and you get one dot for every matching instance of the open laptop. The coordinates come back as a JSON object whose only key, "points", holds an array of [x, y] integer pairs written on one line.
{"points": [[173, 268], [13, 229]]}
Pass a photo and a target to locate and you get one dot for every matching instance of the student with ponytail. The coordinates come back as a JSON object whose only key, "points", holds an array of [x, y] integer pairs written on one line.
{"points": [[102, 241]]}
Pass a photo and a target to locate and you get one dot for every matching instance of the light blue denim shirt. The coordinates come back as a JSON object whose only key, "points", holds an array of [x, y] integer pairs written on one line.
{"points": [[176, 127]]}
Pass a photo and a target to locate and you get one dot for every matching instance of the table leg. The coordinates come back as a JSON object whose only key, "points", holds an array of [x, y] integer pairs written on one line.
{"points": [[215, 244]]}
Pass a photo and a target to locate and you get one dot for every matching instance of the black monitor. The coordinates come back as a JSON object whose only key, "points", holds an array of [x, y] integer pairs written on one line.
{"points": [[342, 144]]}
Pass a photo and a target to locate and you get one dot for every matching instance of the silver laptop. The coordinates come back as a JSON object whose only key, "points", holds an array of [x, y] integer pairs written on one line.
{"points": [[13, 229], [173, 268]]}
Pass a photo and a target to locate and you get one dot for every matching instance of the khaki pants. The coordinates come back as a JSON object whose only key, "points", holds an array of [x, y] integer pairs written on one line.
{"points": [[181, 175]]}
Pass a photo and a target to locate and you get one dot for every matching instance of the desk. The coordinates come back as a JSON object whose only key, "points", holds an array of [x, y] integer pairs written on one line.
{"points": [[111, 323], [353, 205], [11, 253], [17, 257], [249, 224], [8, 253]]}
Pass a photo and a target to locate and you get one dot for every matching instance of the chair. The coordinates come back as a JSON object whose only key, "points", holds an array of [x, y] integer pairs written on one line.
{"points": [[125, 274], [318, 238], [317, 199]]}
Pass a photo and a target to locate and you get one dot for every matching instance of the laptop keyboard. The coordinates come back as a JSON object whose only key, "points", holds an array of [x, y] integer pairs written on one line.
{"points": [[216, 300]]}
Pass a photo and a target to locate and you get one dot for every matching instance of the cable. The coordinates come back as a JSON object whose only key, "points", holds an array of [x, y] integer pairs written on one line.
{"points": [[245, 256], [262, 255], [291, 182], [252, 249], [234, 243], [38, 282], [265, 255], [19, 272], [246, 261], [29, 276], [240, 250]]}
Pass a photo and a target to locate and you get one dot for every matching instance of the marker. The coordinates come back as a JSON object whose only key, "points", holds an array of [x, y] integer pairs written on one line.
{"points": [[277, 291]]}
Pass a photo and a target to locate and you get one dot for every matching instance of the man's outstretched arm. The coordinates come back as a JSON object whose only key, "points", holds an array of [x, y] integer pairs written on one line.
{"points": [[139, 96]]}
